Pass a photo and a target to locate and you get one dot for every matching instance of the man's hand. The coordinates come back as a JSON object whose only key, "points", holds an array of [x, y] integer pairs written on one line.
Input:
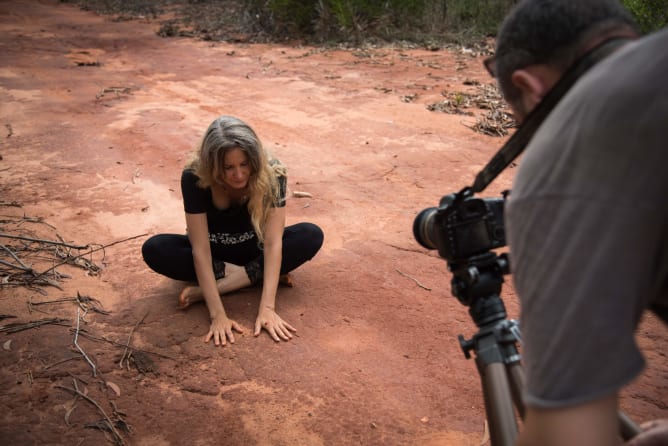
{"points": [[654, 433]]}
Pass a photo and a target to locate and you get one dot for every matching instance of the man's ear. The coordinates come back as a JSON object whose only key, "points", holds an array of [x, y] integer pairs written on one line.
{"points": [[530, 82]]}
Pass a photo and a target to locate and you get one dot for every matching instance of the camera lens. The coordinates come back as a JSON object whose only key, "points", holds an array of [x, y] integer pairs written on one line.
{"points": [[423, 228]]}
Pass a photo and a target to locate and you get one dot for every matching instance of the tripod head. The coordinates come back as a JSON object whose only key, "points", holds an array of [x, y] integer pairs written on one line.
{"points": [[477, 284]]}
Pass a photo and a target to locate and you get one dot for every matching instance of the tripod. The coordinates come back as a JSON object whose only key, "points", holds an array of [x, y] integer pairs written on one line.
{"points": [[477, 284]]}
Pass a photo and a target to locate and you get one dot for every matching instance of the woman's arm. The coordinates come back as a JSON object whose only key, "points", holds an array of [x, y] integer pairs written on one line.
{"points": [[198, 234], [273, 252]]}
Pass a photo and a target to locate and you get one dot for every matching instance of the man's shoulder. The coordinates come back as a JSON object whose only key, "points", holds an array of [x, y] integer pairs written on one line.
{"points": [[642, 63]]}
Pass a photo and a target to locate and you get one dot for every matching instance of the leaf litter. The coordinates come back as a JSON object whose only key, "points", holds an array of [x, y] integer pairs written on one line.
{"points": [[33, 256], [496, 120]]}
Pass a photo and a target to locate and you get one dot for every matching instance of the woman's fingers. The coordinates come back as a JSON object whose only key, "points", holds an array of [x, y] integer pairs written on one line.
{"points": [[222, 332], [276, 328], [230, 335], [284, 331], [219, 338]]}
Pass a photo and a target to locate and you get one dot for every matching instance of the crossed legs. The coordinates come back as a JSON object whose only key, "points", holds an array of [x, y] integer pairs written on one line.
{"points": [[235, 280]]}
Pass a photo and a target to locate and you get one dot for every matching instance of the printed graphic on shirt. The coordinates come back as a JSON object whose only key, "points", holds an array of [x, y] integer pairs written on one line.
{"points": [[231, 239]]}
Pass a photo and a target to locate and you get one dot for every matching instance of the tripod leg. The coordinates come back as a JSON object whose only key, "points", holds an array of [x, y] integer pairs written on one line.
{"points": [[516, 374], [498, 405], [627, 427]]}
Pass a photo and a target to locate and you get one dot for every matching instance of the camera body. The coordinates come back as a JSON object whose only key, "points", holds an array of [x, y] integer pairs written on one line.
{"points": [[461, 228]]}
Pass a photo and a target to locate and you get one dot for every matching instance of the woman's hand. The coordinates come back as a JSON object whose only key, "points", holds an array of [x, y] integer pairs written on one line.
{"points": [[276, 327], [222, 329]]}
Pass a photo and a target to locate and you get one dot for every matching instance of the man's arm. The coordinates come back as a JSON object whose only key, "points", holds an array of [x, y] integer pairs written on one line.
{"points": [[591, 424]]}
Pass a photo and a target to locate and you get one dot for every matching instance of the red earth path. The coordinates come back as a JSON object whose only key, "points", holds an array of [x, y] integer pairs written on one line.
{"points": [[99, 117]]}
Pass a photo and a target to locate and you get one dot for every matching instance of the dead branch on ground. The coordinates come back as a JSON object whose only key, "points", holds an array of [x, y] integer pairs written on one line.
{"points": [[86, 303], [16, 327], [118, 439], [414, 280], [76, 344], [83, 332], [127, 344], [17, 269]]}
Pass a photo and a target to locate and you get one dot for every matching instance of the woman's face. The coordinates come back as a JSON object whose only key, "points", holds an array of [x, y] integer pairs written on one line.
{"points": [[236, 169]]}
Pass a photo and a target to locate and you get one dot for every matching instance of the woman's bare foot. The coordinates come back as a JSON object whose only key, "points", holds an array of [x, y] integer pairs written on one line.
{"points": [[189, 295], [286, 280], [235, 278]]}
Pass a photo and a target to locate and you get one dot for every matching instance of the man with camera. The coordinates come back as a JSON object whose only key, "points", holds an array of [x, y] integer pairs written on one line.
{"points": [[587, 220]]}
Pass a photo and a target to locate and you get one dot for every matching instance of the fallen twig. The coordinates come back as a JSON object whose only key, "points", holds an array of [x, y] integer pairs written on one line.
{"points": [[19, 267], [127, 344], [76, 344], [414, 280], [82, 301], [85, 334], [47, 367], [70, 259], [23, 267], [118, 439], [37, 240], [16, 327], [89, 303], [14, 204], [116, 90]]}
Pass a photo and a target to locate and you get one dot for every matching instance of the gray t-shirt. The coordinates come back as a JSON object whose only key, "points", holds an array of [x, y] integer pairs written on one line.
{"points": [[587, 226]]}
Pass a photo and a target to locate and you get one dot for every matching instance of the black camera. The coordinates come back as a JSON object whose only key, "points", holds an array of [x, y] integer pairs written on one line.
{"points": [[461, 226]]}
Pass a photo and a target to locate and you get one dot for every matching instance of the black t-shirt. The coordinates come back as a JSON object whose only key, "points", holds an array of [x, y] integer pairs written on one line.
{"points": [[227, 227]]}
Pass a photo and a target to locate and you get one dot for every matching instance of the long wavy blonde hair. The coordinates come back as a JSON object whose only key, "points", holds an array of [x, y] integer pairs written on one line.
{"points": [[227, 133]]}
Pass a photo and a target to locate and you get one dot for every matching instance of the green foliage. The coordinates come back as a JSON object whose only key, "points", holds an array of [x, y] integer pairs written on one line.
{"points": [[360, 19], [651, 15], [427, 21], [481, 16], [292, 16]]}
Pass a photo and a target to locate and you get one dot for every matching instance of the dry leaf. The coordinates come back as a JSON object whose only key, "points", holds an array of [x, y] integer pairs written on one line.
{"points": [[7, 345], [114, 387]]}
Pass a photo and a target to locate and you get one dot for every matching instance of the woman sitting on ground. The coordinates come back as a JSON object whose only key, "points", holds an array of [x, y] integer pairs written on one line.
{"points": [[234, 199]]}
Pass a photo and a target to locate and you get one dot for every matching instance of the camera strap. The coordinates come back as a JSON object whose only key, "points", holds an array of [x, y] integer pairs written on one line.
{"points": [[519, 140]]}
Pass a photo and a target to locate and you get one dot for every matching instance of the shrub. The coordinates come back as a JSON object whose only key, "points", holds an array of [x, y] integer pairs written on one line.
{"points": [[651, 15]]}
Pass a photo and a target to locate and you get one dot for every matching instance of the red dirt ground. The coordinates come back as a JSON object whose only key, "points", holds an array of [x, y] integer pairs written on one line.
{"points": [[100, 116]]}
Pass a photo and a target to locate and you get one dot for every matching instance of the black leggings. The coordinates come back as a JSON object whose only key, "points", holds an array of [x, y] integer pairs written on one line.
{"points": [[171, 254]]}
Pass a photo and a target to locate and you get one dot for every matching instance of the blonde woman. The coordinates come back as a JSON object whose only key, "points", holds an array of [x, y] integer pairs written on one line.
{"points": [[234, 200]]}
